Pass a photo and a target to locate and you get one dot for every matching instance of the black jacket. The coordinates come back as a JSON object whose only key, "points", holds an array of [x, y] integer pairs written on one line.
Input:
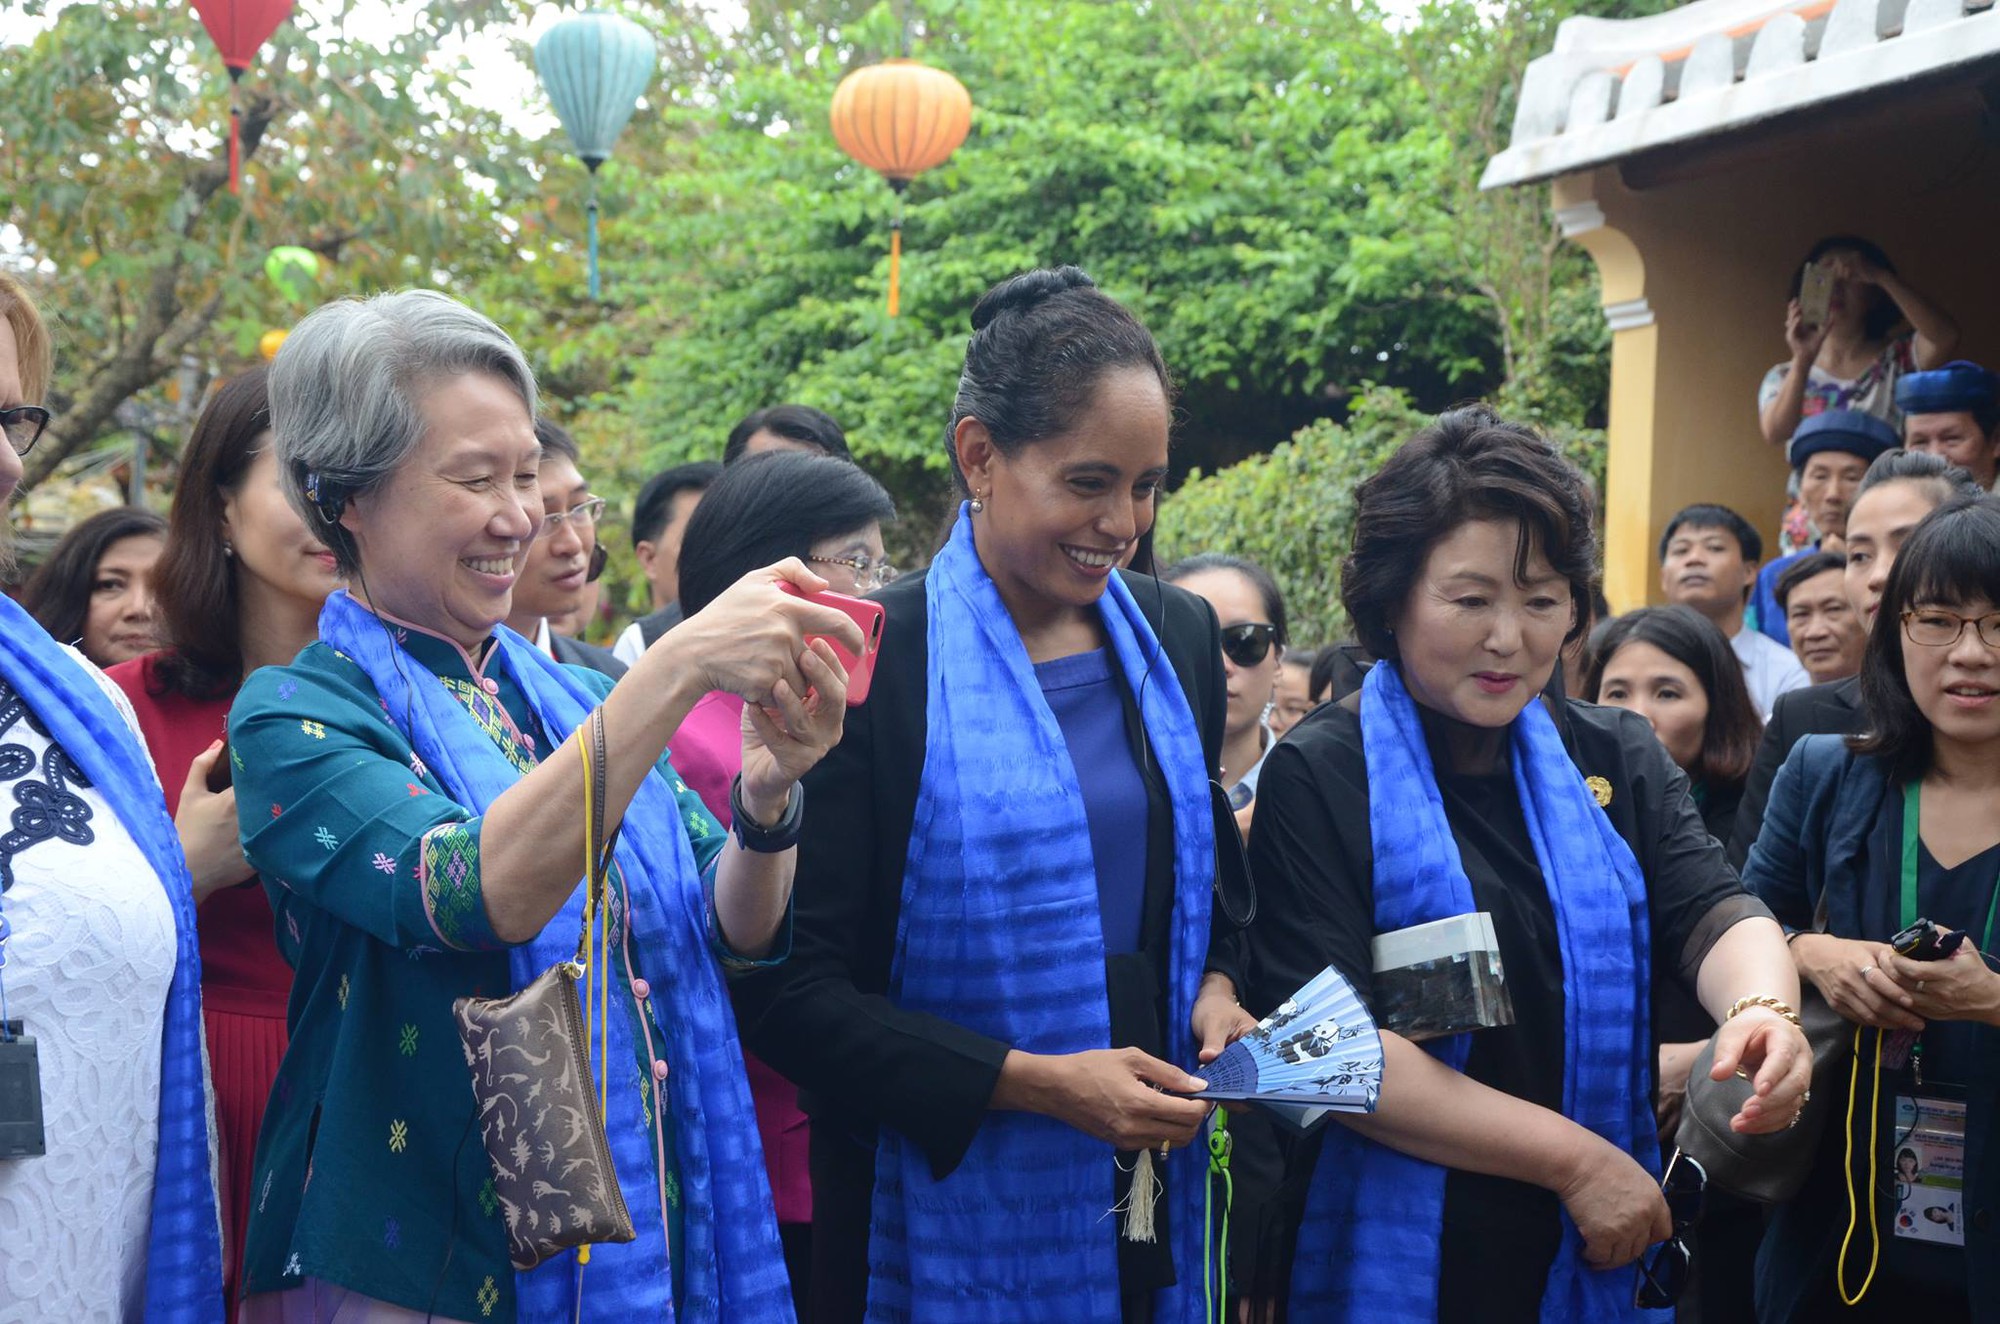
{"points": [[1832, 709], [576, 653], [822, 1018]]}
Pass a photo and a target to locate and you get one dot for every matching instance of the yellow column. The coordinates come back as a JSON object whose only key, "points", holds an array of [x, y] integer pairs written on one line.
{"points": [[1629, 573]]}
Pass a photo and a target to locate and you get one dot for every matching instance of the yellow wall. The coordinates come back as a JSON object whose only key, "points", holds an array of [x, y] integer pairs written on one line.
{"points": [[1708, 241]]}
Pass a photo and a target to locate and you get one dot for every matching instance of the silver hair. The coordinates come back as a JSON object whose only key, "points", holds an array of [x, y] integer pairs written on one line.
{"points": [[347, 394]]}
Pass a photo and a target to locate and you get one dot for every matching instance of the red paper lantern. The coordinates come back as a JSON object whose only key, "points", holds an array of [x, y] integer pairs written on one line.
{"points": [[239, 29]]}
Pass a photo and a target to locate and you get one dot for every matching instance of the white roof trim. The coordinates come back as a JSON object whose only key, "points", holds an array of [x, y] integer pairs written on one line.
{"points": [[1599, 96]]}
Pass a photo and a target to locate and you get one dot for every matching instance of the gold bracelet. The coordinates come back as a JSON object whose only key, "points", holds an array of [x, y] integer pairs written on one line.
{"points": [[1778, 1005]]}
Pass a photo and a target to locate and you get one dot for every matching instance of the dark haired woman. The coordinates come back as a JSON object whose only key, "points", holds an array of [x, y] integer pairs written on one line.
{"points": [[1855, 357], [1003, 900], [240, 587], [1877, 831], [96, 587], [1252, 613], [1675, 668], [829, 514], [1510, 1172]]}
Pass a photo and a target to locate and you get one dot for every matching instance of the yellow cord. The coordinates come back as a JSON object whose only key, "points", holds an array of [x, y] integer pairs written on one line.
{"points": [[589, 926], [1853, 1206]]}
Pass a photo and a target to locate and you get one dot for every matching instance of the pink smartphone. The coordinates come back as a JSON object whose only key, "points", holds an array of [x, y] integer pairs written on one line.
{"points": [[867, 615]]}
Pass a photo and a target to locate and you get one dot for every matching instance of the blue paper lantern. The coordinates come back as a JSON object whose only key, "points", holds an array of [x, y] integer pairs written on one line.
{"points": [[595, 67]]}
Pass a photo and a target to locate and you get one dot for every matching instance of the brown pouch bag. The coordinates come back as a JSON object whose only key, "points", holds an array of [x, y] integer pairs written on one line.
{"points": [[538, 1105]]}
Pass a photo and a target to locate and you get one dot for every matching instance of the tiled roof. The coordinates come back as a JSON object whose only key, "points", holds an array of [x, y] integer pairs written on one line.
{"points": [[1615, 87]]}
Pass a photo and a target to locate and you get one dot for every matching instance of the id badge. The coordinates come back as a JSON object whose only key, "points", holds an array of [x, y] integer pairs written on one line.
{"points": [[21, 1134], [1929, 1169]]}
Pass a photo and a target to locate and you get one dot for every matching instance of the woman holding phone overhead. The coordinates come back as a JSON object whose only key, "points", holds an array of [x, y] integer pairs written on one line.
{"points": [[1002, 945]]}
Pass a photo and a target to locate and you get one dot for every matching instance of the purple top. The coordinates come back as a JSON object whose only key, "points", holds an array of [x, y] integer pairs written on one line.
{"points": [[1087, 705]]}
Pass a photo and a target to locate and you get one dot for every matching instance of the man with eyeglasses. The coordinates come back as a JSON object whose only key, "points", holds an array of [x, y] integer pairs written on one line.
{"points": [[564, 559]]}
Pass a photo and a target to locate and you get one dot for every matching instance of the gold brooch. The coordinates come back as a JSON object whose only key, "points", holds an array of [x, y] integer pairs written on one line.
{"points": [[1601, 789]]}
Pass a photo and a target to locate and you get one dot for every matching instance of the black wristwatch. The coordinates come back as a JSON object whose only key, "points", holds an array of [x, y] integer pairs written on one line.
{"points": [[780, 836]]}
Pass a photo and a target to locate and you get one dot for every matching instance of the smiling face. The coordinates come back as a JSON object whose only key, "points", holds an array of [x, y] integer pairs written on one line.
{"points": [[268, 540], [556, 570], [121, 623], [1956, 437], [1237, 602], [1475, 644], [1825, 628], [1705, 569], [1665, 691], [1882, 520], [1061, 513], [1956, 687], [441, 541], [1826, 487]]}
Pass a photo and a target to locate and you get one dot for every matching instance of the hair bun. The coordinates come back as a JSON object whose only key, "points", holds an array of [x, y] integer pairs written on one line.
{"points": [[1022, 292]]}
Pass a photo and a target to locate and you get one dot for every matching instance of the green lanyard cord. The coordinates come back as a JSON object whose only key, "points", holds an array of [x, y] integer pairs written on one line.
{"points": [[1913, 799], [1215, 1249]]}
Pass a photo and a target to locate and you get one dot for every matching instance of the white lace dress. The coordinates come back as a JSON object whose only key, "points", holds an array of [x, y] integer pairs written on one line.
{"points": [[88, 966]]}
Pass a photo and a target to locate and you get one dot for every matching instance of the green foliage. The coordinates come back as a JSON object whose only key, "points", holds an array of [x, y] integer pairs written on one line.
{"points": [[1292, 510]]}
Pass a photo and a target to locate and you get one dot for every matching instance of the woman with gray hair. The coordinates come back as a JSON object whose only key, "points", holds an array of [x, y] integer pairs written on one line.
{"points": [[409, 791]]}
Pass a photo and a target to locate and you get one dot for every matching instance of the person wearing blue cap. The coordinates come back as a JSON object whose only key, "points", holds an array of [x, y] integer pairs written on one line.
{"points": [[1954, 411], [1830, 453]]}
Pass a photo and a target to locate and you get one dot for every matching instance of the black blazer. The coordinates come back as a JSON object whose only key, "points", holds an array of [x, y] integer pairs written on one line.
{"points": [[1832, 709], [822, 1018], [576, 653]]}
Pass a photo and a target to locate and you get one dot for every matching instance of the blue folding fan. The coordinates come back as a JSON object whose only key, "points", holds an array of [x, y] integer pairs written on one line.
{"points": [[1318, 1052]]}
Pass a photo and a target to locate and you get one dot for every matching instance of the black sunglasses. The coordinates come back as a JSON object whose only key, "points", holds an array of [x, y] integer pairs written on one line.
{"points": [[1665, 1276], [1247, 645], [24, 425]]}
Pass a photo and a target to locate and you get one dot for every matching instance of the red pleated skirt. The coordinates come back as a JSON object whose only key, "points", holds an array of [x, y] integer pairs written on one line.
{"points": [[246, 1041]]}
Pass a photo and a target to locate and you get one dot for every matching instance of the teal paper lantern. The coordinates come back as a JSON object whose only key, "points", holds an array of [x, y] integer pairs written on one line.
{"points": [[595, 67]]}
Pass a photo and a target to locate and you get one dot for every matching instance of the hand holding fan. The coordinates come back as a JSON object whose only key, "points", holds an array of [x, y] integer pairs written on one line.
{"points": [[1319, 1052]]}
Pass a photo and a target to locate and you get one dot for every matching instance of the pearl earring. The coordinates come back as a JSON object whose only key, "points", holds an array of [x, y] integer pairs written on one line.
{"points": [[978, 504], [228, 550]]}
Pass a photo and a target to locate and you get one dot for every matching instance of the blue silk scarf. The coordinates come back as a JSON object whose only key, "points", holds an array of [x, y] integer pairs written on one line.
{"points": [[1000, 932], [1374, 1223], [734, 1265], [184, 1244]]}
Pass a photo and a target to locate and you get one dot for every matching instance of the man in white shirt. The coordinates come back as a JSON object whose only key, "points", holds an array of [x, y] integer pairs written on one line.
{"points": [[1708, 561]]}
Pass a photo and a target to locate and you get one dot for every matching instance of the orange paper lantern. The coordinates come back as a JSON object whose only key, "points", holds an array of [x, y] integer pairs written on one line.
{"points": [[269, 344], [900, 118]]}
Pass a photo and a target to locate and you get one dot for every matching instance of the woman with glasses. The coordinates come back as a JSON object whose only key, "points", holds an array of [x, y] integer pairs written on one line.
{"points": [[241, 586], [1511, 1172], [825, 511], [1864, 836], [1252, 612], [106, 1197], [1007, 871], [564, 559]]}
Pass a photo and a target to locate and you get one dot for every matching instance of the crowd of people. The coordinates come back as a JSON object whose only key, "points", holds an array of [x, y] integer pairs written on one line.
{"points": [[897, 1009]]}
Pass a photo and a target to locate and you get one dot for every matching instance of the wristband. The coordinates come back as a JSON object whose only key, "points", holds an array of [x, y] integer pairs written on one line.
{"points": [[780, 836]]}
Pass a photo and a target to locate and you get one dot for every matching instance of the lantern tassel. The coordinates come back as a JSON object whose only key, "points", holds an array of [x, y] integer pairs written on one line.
{"points": [[596, 290], [235, 136], [896, 186]]}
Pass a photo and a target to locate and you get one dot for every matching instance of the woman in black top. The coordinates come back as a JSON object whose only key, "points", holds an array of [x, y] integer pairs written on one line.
{"points": [[1470, 548], [1673, 667], [1874, 832], [1059, 438]]}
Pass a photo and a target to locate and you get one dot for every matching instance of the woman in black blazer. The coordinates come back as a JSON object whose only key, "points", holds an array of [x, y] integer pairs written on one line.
{"points": [[1059, 436]]}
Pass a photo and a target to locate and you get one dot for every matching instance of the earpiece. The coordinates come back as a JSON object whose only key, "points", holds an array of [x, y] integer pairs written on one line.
{"points": [[326, 496]]}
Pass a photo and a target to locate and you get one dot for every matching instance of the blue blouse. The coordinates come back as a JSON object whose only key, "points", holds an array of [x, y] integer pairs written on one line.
{"points": [[1088, 706]]}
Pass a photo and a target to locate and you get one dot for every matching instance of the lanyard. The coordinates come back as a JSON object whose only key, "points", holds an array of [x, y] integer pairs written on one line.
{"points": [[1912, 813]]}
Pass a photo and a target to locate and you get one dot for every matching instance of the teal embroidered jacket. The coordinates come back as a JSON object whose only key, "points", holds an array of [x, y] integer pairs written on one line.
{"points": [[370, 1172]]}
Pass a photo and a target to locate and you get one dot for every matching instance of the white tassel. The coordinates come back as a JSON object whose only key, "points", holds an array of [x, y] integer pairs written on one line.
{"points": [[1144, 1195]]}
